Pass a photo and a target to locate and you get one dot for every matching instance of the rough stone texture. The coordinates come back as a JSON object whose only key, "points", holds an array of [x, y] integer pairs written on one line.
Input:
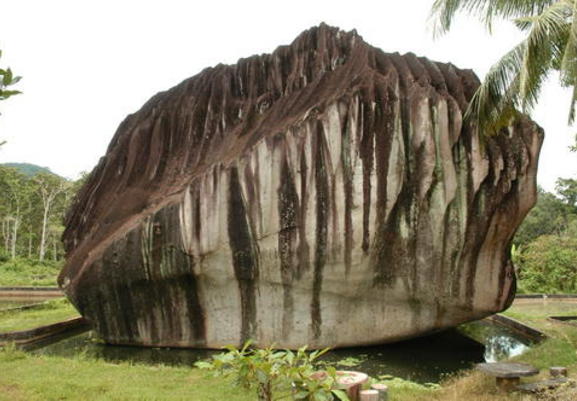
{"points": [[326, 194]]}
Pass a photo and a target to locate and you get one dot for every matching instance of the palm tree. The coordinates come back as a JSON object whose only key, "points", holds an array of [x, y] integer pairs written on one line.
{"points": [[515, 81]]}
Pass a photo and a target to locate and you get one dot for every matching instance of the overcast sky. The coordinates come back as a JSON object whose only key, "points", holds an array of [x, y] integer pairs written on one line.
{"points": [[87, 64]]}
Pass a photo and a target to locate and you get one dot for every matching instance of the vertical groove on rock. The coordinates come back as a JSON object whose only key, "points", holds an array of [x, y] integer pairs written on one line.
{"points": [[322, 204], [367, 155], [303, 246], [244, 256], [288, 211], [348, 192]]}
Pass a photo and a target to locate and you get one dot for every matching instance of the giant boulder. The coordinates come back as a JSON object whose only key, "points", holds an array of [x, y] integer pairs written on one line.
{"points": [[326, 194]]}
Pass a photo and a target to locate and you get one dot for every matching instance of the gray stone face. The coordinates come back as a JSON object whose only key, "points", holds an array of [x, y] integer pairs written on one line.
{"points": [[326, 194]]}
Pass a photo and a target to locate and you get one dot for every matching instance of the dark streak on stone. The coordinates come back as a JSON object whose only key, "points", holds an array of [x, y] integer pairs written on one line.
{"points": [[367, 157], [288, 211], [348, 192], [303, 246], [197, 216], [322, 190], [244, 256]]}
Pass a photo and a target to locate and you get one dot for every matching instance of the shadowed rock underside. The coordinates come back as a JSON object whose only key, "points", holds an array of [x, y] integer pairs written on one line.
{"points": [[326, 194]]}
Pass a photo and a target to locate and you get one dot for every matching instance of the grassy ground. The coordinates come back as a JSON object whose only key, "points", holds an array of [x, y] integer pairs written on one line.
{"points": [[29, 272], [45, 313], [33, 377], [36, 378]]}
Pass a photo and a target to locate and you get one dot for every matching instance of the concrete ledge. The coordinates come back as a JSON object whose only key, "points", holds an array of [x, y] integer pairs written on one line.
{"points": [[42, 332], [545, 296], [30, 292], [568, 320], [29, 289], [531, 333]]}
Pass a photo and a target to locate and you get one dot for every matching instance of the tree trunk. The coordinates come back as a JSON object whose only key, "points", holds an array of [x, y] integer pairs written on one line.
{"points": [[6, 232], [14, 237], [43, 236], [15, 231]]}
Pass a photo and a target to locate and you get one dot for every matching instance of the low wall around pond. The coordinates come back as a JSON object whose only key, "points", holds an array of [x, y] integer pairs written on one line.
{"points": [[526, 331], [30, 292], [43, 332]]}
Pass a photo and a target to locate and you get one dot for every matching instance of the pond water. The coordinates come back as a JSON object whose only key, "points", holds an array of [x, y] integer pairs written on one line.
{"points": [[424, 360]]}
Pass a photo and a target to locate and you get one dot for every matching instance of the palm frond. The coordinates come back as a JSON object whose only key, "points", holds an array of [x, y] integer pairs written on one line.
{"points": [[444, 11], [572, 106], [568, 65], [547, 32], [496, 98]]}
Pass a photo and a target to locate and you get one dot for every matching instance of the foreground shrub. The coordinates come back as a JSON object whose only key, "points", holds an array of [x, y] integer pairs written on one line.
{"points": [[279, 374]]}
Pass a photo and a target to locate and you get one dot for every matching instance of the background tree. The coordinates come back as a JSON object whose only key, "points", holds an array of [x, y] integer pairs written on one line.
{"points": [[32, 207], [49, 188], [17, 192], [33, 202], [551, 215], [515, 81], [545, 251]]}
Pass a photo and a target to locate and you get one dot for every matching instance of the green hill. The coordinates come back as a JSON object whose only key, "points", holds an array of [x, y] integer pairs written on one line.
{"points": [[27, 168]]}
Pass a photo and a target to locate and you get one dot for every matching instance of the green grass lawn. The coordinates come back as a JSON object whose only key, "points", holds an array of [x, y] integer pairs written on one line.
{"points": [[48, 312], [37, 378]]}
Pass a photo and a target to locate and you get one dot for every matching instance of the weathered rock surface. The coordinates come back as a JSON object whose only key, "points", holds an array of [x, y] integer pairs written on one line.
{"points": [[326, 194]]}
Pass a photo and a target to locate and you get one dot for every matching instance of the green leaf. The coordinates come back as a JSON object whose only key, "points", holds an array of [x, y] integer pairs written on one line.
{"points": [[302, 394], [321, 396], [7, 94], [261, 376], [341, 395], [204, 365], [8, 77]]}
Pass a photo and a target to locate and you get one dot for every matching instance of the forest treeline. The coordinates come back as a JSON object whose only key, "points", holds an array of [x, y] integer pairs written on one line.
{"points": [[32, 208], [545, 246]]}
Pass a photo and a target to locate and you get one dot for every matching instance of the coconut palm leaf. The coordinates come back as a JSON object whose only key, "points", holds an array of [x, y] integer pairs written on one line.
{"points": [[515, 81], [443, 11], [545, 46], [568, 65], [493, 104]]}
